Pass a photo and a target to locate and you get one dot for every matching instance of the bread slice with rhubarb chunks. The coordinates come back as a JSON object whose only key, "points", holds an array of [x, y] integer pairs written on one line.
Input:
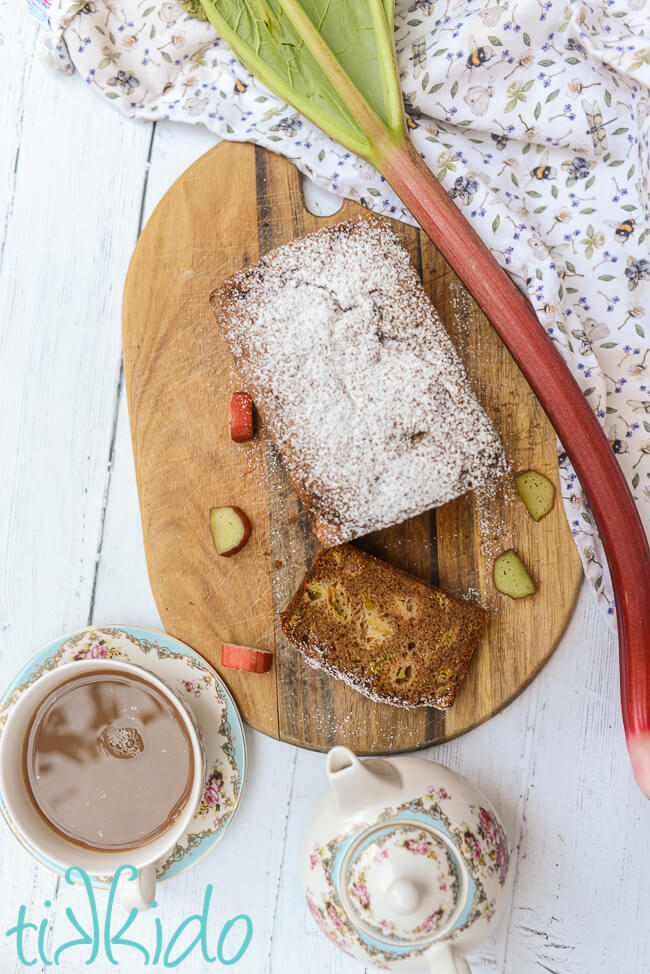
{"points": [[387, 634], [356, 379]]}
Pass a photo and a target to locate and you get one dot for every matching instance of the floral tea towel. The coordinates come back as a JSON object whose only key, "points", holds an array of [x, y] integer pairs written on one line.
{"points": [[533, 114]]}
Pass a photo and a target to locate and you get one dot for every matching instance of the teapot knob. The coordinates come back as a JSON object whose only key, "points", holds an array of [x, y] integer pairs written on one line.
{"points": [[403, 896]]}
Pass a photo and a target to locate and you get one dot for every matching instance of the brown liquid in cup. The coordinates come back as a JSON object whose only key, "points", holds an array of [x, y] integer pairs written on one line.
{"points": [[108, 761]]}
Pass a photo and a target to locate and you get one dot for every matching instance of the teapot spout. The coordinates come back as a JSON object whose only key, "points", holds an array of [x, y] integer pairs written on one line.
{"points": [[354, 782]]}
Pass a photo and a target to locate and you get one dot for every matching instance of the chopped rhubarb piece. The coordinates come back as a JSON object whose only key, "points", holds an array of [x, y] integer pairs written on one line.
{"points": [[246, 658], [230, 529], [511, 577], [240, 414], [537, 492]]}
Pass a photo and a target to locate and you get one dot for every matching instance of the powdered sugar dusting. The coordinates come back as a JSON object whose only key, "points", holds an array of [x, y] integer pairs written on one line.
{"points": [[357, 682], [357, 380]]}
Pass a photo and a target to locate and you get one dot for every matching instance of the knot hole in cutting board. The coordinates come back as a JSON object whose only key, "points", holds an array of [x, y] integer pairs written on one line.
{"points": [[319, 201]]}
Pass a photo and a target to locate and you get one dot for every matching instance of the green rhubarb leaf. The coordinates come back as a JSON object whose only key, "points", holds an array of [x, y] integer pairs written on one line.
{"points": [[332, 59]]}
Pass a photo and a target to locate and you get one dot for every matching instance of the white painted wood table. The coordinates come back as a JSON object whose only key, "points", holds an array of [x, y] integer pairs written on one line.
{"points": [[76, 183]]}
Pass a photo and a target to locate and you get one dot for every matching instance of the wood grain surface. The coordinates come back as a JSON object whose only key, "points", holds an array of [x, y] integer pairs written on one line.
{"points": [[233, 205]]}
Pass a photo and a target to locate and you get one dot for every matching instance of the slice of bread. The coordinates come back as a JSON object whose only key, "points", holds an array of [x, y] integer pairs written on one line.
{"points": [[356, 380], [389, 635]]}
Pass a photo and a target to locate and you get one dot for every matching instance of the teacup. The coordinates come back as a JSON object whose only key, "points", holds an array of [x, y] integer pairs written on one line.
{"points": [[133, 891]]}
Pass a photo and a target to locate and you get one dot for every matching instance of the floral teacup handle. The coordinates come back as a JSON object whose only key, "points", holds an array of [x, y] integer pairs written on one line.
{"points": [[136, 888]]}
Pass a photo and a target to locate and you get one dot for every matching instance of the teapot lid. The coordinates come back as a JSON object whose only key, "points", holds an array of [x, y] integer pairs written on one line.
{"points": [[402, 883]]}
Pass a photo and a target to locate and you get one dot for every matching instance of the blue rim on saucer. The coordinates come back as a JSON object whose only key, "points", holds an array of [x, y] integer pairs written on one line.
{"points": [[205, 693]]}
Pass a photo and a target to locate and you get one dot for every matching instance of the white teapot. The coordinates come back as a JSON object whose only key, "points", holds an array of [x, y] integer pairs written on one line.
{"points": [[404, 863]]}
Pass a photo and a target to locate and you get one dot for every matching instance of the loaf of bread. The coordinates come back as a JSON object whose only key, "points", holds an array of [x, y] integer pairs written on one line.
{"points": [[356, 380], [389, 635]]}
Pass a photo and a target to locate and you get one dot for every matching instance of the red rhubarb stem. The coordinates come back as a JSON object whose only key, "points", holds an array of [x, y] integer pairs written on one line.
{"points": [[586, 445]]}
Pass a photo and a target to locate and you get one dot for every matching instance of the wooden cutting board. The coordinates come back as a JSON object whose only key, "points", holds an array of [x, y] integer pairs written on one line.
{"points": [[232, 206]]}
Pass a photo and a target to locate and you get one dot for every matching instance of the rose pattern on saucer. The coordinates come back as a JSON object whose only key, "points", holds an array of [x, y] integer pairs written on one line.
{"points": [[196, 687], [212, 797], [98, 649], [208, 701]]}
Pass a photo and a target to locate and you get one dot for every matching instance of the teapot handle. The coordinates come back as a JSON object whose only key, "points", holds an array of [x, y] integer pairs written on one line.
{"points": [[445, 960]]}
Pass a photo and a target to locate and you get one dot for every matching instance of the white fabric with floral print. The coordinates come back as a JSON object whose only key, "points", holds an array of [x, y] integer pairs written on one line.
{"points": [[534, 115]]}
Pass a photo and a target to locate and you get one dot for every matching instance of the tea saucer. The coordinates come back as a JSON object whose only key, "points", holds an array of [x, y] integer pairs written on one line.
{"points": [[200, 687]]}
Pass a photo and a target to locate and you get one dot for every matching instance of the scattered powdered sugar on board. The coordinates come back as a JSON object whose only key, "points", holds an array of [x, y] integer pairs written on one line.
{"points": [[357, 380]]}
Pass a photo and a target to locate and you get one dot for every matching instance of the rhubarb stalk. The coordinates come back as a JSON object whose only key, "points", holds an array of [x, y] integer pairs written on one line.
{"points": [[574, 421], [334, 60]]}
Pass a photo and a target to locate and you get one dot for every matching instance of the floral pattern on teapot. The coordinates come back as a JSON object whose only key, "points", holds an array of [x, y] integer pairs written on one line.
{"points": [[486, 845], [419, 844], [479, 839]]}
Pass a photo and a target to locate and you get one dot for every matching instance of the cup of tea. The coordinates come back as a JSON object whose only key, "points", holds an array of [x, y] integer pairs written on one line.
{"points": [[102, 765]]}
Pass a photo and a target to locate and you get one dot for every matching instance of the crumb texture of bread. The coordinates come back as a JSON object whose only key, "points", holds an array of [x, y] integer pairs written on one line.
{"points": [[389, 635], [356, 380]]}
